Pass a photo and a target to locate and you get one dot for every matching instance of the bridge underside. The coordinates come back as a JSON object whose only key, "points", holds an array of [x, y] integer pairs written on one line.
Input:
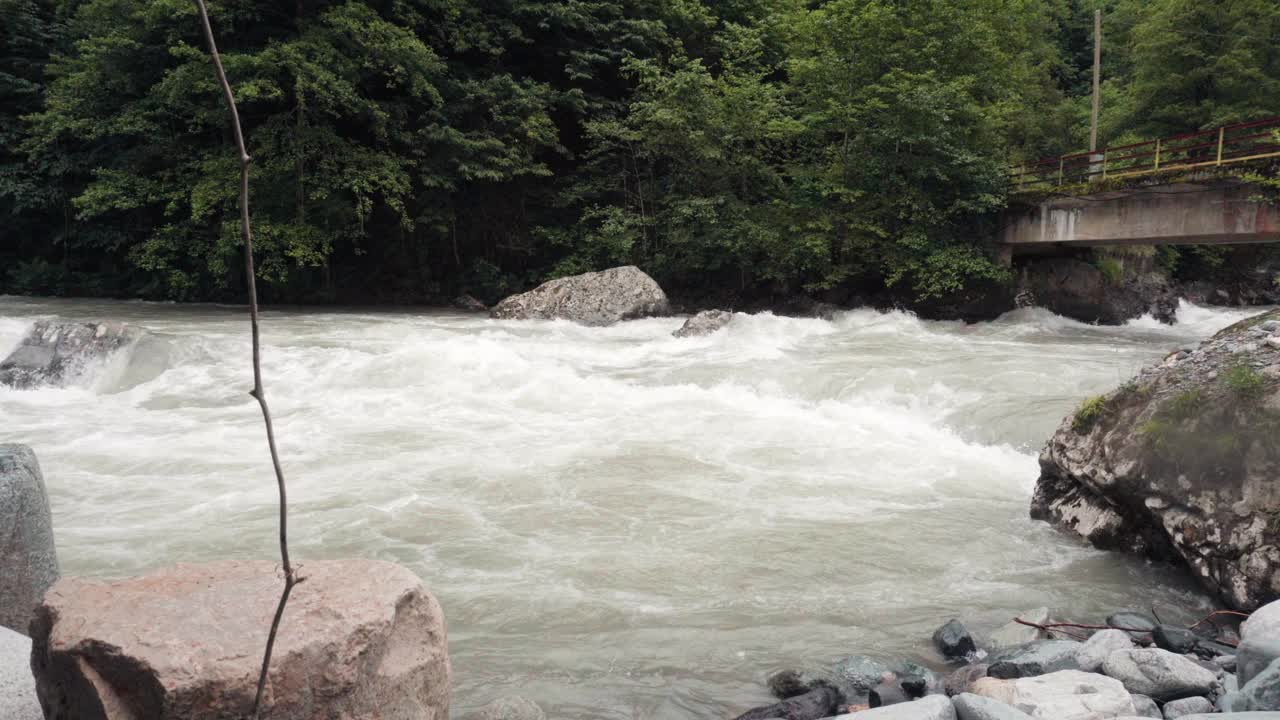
{"points": [[1211, 213]]}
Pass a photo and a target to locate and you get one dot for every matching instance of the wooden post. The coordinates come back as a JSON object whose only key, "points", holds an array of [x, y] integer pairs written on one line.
{"points": [[1097, 79], [1157, 155], [1222, 131], [1061, 161], [1104, 164]]}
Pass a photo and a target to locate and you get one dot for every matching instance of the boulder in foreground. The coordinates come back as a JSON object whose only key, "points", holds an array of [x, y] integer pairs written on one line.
{"points": [[1180, 463], [360, 639], [28, 559], [55, 352], [594, 298]]}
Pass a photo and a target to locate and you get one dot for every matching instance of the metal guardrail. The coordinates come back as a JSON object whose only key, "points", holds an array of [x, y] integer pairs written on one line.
{"points": [[1226, 145]]}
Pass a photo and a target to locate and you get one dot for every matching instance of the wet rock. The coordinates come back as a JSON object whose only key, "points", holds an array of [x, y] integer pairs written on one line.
{"points": [[1259, 642], [596, 298], [1187, 706], [509, 708], [1138, 624], [28, 559], [53, 353], [888, 693], [792, 682], [961, 680], [704, 323], [468, 303], [361, 639], [1037, 658], [1262, 692], [1226, 662], [1094, 651], [1178, 466], [934, 707], [1158, 674], [1063, 695], [17, 688], [813, 705], [953, 640], [1144, 706], [976, 707], [1079, 290], [1174, 639], [859, 673], [1014, 633]]}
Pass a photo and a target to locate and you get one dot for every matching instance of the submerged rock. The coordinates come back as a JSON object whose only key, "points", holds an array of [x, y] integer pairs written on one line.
{"points": [[1180, 463], [704, 323], [53, 352], [813, 705], [361, 639], [595, 298], [1015, 633], [28, 558], [469, 303], [509, 708]]}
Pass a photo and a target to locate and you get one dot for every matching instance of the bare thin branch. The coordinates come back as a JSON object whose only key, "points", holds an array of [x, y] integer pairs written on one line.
{"points": [[290, 578]]}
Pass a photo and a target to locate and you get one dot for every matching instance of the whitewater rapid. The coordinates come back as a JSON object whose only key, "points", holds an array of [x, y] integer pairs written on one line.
{"points": [[618, 523]]}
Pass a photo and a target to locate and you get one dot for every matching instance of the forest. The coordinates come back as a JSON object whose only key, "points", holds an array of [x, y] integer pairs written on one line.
{"points": [[409, 150]]}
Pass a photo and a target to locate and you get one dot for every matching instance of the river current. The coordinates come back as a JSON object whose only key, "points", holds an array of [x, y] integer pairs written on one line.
{"points": [[619, 524]]}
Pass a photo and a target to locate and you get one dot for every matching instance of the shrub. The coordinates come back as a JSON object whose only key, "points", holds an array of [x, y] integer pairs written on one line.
{"points": [[1245, 382], [1088, 413]]}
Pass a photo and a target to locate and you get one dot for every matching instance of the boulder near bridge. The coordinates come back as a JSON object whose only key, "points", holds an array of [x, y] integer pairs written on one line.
{"points": [[1196, 188]]}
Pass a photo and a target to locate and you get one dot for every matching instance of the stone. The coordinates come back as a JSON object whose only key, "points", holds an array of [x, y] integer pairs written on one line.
{"points": [[1063, 695], [595, 298], [1158, 673], [1094, 651], [1226, 662], [1178, 467], [962, 679], [888, 692], [509, 708], [1187, 706], [1036, 658], [859, 673], [1174, 639], [1262, 692], [791, 681], [1144, 706], [1259, 642], [27, 554], [360, 638], [54, 353], [1233, 716], [704, 323], [1081, 291], [934, 707], [953, 640], [17, 688], [1014, 633], [468, 303], [1270, 325], [816, 704], [976, 707], [1138, 624]]}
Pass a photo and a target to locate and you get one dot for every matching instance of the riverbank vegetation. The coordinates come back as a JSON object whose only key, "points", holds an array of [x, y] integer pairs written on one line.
{"points": [[407, 151]]}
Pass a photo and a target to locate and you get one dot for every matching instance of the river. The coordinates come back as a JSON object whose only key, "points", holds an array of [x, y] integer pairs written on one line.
{"points": [[618, 523]]}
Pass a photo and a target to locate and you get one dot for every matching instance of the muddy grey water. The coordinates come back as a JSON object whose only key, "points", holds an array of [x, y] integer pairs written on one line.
{"points": [[619, 523]]}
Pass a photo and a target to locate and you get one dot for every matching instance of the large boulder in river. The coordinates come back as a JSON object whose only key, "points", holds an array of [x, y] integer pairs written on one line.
{"points": [[594, 298], [55, 352], [28, 560], [359, 639], [1083, 291], [1181, 463]]}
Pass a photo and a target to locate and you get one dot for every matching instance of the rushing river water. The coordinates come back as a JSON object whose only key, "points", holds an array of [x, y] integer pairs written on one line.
{"points": [[619, 523]]}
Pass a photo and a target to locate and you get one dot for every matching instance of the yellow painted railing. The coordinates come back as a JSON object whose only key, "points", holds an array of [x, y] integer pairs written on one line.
{"points": [[1226, 145]]}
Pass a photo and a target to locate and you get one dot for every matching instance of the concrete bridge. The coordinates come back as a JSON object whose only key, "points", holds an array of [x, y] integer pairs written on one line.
{"points": [[1188, 213], [1187, 189]]}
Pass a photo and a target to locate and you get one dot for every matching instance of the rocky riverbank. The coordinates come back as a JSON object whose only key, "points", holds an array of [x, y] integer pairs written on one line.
{"points": [[1128, 666]]}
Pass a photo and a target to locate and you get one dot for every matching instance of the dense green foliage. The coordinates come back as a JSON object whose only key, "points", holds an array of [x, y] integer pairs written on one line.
{"points": [[411, 149]]}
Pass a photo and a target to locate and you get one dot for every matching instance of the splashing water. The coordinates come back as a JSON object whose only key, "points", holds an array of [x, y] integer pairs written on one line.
{"points": [[619, 523]]}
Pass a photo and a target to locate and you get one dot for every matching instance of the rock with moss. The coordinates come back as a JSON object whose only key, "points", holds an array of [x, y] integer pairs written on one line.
{"points": [[1180, 464]]}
